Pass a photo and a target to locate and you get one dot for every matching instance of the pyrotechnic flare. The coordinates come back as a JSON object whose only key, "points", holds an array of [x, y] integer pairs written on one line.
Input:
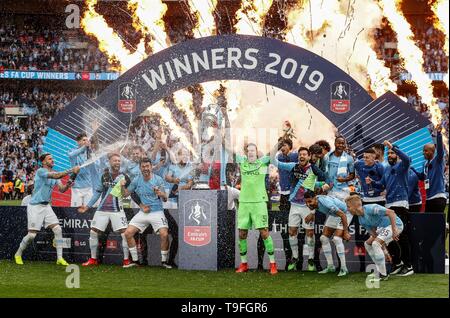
{"points": [[250, 20], [307, 18], [332, 31], [203, 10], [251, 15], [109, 41], [440, 9], [148, 17], [411, 55]]}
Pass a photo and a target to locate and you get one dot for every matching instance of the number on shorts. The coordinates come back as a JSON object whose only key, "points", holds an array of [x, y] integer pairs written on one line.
{"points": [[124, 221]]}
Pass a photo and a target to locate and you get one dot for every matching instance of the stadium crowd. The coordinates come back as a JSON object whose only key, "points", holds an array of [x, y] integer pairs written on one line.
{"points": [[34, 47], [427, 37]]}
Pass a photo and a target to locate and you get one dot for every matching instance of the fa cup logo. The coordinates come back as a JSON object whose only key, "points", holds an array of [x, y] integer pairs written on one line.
{"points": [[197, 222], [196, 213]]}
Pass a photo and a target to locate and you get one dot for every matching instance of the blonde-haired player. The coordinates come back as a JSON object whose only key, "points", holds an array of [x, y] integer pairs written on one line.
{"points": [[383, 225]]}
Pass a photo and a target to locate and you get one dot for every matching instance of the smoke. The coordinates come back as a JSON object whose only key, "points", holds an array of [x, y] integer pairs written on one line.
{"points": [[347, 42], [269, 111]]}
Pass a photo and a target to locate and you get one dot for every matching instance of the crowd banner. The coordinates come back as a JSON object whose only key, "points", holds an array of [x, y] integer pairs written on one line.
{"points": [[59, 76]]}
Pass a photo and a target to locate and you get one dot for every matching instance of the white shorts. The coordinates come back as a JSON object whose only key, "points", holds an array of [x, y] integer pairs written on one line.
{"points": [[335, 222], [101, 220], [40, 214], [156, 219], [134, 205], [80, 196], [385, 233], [297, 215]]}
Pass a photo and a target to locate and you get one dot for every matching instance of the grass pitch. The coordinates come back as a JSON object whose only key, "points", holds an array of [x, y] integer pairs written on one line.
{"points": [[10, 202], [44, 279]]}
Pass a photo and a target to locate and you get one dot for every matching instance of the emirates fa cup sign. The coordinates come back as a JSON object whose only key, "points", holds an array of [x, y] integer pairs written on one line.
{"points": [[127, 98], [197, 222]]}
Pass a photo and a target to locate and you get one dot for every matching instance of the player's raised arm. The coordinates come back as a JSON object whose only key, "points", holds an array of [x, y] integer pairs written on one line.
{"points": [[62, 174], [439, 144], [274, 153], [74, 153], [406, 160]]}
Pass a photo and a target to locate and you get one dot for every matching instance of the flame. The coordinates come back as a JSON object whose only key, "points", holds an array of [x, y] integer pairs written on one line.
{"points": [[440, 10], [205, 26], [233, 95], [304, 22], [159, 109], [109, 41], [295, 30], [250, 20], [379, 75], [333, 32], [204, 12], [250, 16], [148, 18], [411, 55], [183, 99]]}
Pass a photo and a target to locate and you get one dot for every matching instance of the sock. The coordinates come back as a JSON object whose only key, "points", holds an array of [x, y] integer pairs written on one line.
{"points": [[134, 253], [25, 241], [268, 243], [164, 255], [293, 242], [326, 248], [310, 242], [93, 243], [58, 241], [369, 250], [340, 251], [379, 257], [126, 252], [243, 250]]}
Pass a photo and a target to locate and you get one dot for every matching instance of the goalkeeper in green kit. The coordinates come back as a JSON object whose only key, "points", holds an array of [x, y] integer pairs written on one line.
{"points": [[253, 198]]}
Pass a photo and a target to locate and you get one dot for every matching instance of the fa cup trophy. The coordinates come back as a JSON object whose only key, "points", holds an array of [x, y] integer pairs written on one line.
{"points": [[211, 149]]}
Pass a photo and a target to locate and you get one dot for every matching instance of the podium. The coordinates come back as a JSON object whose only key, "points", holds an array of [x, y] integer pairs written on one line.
{"points": [[206, 230]]}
